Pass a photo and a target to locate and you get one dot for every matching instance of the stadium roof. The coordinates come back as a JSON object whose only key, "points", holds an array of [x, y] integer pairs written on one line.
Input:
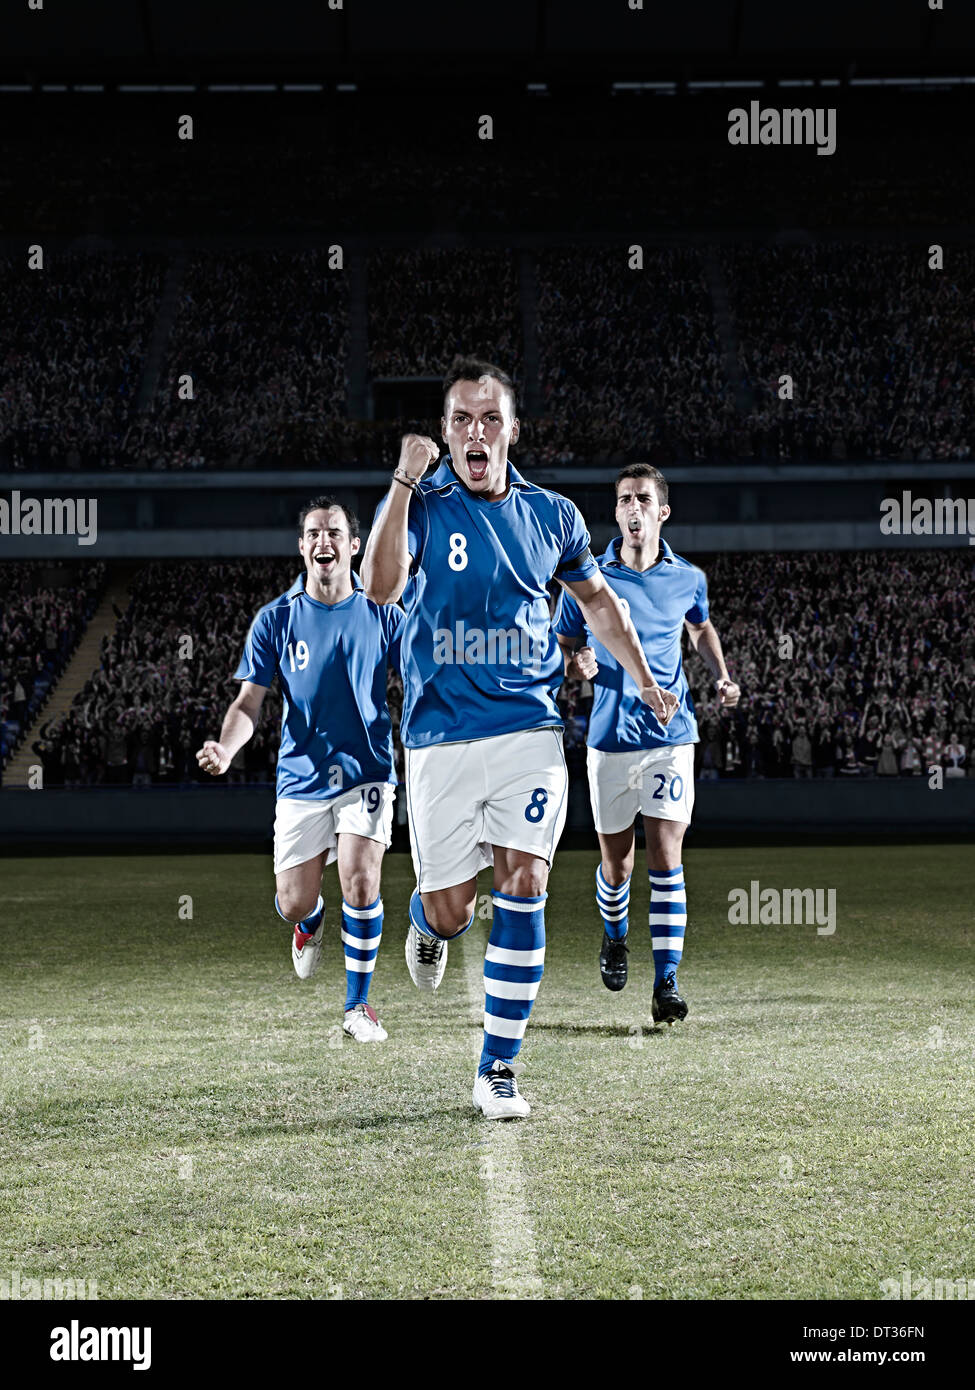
{"points": [[309, 40]]}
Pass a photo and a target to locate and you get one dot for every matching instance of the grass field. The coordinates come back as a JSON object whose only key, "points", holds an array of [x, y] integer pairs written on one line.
{"points": [[181, 1117]]}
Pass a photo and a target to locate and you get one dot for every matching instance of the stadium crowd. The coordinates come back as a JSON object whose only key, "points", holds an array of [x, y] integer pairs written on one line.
{"points": [[265, 338], [879, 348], [628, 358], [853, 664], [165, 680], [43, 612], [630, 363], [72, 356]]}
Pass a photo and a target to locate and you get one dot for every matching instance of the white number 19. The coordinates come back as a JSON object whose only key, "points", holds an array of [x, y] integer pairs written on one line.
{"points": [[300, 652]]}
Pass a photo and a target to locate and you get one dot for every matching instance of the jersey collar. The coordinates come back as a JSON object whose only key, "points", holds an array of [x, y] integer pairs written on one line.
{"points": [[611, 555], [445, 478], [298, 587]]}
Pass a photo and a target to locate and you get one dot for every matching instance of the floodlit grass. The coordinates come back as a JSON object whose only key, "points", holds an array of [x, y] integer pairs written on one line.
{"points": [[180, 1117]]}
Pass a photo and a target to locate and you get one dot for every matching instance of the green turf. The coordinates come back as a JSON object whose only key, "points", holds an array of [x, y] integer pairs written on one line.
{"points": [[181, 1118]]}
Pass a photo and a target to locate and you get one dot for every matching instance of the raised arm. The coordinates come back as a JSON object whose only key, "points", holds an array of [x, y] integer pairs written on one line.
{"points": [[239, 724], [608, 623], [386, 560]]}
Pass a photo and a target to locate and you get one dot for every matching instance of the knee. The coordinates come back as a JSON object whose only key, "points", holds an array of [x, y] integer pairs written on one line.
{"points": [[528, 880], [295, 904], [361, 888], [448, 918], [617, 871]]}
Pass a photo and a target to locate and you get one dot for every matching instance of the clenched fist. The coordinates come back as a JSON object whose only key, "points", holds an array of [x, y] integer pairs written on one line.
{"points": [[664, 703], [213, 758], [416, 454], [728, 693], [583, 666]]}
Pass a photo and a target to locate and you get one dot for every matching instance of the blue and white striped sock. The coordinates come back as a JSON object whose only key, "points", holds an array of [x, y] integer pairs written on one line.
{"points": [[513, 966], [668, 919], [614, 905], [418, 919], [362, 930], [310, 924]]}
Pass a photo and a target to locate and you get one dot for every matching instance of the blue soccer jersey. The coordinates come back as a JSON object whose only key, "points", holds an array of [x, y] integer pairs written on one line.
{"points": [[331, 662], [658, 600], [479, 656]]}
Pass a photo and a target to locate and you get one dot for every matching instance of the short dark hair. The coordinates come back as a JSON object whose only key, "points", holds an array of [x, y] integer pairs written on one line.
{"points": [[644, 470], [472, 369], [325, 504]]}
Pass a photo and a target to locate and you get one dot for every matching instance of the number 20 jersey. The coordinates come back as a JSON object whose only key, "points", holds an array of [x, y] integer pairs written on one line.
{"points": [[478, 654], [330, 660]]}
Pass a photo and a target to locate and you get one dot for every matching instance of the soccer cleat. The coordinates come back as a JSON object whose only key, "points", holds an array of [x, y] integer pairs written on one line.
{"points": [[667, 1004], [362, 1024], [496, 1093], [306, 951], [426, 959], [612, 962]]}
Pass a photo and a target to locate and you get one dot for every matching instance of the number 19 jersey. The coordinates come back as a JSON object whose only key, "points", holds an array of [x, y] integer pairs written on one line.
{"points": [[330, 660], [478, 654]]}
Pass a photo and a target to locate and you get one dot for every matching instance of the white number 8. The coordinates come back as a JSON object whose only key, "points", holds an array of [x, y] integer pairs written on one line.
{"points": [[457, 559], [301, 652]]}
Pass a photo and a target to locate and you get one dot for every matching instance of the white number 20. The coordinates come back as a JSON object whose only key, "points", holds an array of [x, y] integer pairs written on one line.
{"points": [[299, 652], [457, 558]]}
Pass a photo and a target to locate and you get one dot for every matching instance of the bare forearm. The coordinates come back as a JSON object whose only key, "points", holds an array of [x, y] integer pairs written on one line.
{"points": [[708, 647], [239, 724], [386, 562]]}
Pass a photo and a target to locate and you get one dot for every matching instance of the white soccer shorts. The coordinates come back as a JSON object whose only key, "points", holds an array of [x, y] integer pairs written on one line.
{"points": [[462, 798], [306, 827], [655, 782]]}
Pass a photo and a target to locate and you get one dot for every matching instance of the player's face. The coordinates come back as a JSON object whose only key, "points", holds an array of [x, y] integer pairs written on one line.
{"points": [[639, 512], [478, 427], [326, 545]]}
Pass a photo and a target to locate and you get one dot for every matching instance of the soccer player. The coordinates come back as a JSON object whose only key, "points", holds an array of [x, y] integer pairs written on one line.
{"points": [[329, 646], [478, 552], [636, 764]]}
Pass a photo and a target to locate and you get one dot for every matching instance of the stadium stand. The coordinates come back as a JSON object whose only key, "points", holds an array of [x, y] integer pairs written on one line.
{"points": [[43, 612]]}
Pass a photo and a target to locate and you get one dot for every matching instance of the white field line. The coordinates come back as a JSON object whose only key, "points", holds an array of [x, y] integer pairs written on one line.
{"points": [[514, 1257]]}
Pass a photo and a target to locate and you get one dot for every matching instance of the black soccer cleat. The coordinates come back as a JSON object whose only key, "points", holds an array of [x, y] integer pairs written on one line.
{"points": [[612, 962], [667, 1006]]}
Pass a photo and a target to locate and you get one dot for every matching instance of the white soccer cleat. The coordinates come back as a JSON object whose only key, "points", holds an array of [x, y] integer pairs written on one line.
{"points": [[426, 959], [362, 1024], [307, 956], [496, 1094]]}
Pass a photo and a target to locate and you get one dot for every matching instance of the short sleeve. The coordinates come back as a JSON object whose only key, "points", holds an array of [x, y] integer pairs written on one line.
{"points": [[260, 661], [577, 560], [698, 611], [414, 524], [393, 619], [569, 622]]}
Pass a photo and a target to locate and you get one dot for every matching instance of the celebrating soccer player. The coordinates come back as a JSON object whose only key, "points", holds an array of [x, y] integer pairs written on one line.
{"points": [[329, 646], [476, 551], [636, 764]]}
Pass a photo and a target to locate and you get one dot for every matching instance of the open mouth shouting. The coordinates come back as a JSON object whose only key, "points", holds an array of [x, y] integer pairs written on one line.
{"points": [[324, 560], [476, 458], [634, 527]]}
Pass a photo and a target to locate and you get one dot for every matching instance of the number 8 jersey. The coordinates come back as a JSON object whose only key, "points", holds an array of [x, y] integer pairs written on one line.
{"points": [[330, 660], [478, 654]]}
